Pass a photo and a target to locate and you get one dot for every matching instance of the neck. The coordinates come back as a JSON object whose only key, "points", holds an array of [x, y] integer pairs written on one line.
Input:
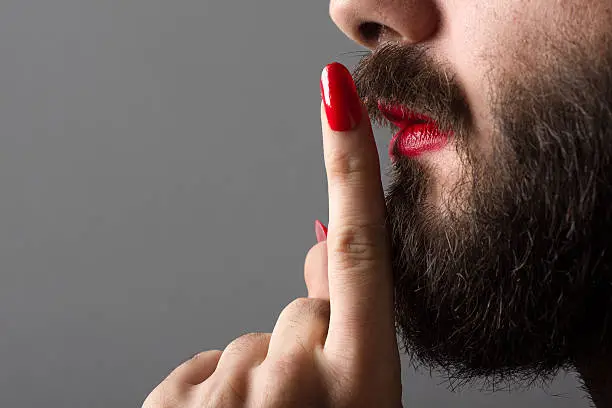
{"points": [[596, 373]]}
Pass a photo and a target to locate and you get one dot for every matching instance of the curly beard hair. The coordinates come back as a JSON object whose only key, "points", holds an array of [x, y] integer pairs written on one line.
{"points": [[508, 280]]}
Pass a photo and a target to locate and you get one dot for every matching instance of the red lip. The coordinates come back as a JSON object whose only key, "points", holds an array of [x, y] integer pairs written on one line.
{"points": [[418, 133]]}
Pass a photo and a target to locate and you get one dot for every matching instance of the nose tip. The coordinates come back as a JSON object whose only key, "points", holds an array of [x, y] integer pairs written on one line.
{"points": [[372, 22]]}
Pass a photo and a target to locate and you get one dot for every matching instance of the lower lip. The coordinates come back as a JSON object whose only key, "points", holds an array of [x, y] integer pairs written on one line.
{"points": [[416, 139]]}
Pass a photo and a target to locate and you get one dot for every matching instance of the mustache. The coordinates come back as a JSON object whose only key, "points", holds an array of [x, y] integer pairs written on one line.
{"points": [[407, 75]]}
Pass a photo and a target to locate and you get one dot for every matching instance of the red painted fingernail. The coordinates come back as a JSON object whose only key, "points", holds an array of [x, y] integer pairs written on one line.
{"points": [[339, 94], [321, 231]]}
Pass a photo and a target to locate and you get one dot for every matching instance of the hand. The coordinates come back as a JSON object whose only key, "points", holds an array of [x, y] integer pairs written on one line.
{"points": [[336, 348]]}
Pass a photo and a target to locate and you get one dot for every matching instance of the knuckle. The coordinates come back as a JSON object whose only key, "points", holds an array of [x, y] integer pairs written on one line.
{"points": [[343, 165], [246, 342], [302, 308], [206, 354], [355, 244]]}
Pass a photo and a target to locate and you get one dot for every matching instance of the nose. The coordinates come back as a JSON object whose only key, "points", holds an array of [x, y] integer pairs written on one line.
{"points": [[371, 22]]}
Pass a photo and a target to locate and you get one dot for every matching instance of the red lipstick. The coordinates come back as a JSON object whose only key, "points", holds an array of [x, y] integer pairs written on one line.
{"points": [[418, 133]]}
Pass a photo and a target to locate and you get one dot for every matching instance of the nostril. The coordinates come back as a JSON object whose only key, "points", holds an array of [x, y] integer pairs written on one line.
{"points": [[370, 32]]}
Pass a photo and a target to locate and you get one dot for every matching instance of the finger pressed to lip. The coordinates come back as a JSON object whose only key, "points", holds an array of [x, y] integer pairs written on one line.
{"points": [[359, 273]]}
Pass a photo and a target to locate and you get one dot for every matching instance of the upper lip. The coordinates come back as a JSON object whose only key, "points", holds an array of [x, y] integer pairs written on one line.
{"points": [[401, 116]]}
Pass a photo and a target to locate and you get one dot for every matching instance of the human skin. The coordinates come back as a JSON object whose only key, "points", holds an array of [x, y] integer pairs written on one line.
{"points": [[316, 359], [479, 41], [485, 44], [337, 347]]}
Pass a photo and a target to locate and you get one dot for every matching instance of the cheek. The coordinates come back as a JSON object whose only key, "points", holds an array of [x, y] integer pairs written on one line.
{"points": [[482, 40], [470, 41], [475, 41], [486, 42]]}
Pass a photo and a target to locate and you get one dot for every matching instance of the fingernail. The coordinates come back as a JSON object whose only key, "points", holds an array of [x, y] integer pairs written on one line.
{"points": [[339, 94], [320, 231]]}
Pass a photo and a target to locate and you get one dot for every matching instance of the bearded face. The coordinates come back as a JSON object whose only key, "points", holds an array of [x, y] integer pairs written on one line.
{"points": [[500, 237]]}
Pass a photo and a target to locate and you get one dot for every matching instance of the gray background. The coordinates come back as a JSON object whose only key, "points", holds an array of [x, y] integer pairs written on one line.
{"points": [[160, 172]]}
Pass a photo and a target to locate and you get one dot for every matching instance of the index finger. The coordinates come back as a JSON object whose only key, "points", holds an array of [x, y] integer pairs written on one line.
{"points": [[360, 280]]}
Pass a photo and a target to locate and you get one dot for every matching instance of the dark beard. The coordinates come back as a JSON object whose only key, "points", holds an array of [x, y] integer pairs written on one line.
{"points": [[513, 281]]}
